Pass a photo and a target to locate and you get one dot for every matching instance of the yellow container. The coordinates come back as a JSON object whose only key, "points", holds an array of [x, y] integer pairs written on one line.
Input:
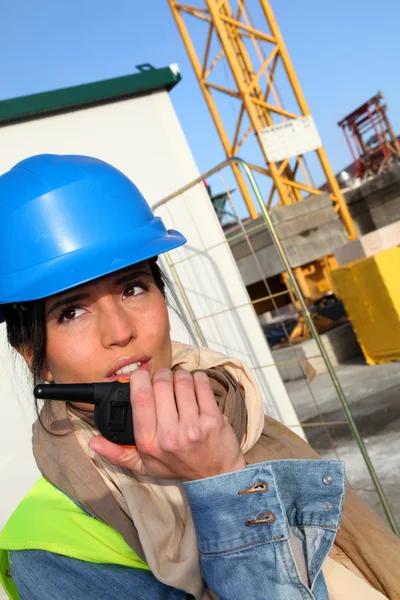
{"points": [[370, 291]]}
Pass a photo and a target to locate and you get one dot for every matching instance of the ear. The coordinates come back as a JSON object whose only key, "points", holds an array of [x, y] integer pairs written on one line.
{"points": [[47, 375]]}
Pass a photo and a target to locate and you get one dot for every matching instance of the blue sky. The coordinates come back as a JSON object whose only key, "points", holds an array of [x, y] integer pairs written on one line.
{"points": [[343, 52]]}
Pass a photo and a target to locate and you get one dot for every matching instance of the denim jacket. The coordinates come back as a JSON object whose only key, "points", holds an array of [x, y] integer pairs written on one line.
{"points": [[263, 534]]}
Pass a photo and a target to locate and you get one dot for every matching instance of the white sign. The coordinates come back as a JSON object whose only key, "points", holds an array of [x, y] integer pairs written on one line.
{"points": [[290, 138]]}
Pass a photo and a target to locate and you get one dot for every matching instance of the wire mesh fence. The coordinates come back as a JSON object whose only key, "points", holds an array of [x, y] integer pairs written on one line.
{"points": [[299, 383]]}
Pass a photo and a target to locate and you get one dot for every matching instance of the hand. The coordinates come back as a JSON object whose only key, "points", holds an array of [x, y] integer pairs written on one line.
{"points": [[179, 430]]}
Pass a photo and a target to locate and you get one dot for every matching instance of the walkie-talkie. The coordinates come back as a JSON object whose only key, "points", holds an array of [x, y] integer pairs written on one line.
{"points": [[112, 405]]}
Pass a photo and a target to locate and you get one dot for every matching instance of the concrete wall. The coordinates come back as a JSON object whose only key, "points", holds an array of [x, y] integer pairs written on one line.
{"points": [[312, 229], [376, 202], [308, 230], [144, 139]]}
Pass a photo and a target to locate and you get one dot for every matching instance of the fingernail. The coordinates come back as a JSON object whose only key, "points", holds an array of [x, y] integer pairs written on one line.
{"points": [[94, 444]]}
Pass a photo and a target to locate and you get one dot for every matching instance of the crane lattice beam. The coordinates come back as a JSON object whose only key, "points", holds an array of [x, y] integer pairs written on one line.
{"points": [[231, 36]]}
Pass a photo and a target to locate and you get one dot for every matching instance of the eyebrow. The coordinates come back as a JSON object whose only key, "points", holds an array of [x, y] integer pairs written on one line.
{"points": [[78, 297], [131, 275], [67, 300]]}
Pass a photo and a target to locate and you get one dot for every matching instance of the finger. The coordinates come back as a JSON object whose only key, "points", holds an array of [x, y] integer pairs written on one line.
{"points": [[143, 410], [117, 455], [167, 414], [205, 395], [185, 397]]}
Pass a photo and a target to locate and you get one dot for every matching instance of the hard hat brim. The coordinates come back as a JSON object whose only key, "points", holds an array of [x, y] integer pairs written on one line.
{"points": [[89, 263]]}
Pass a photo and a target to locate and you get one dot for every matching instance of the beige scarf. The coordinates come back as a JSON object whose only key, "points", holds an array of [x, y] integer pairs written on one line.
{"points": [[153, 515], [159, 509]]}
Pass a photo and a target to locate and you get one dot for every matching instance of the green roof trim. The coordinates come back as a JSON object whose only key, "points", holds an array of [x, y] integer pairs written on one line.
{"points": [[147, 80]]}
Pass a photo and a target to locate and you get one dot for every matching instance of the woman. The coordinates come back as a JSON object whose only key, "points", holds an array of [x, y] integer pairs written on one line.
{"points": [[204, 505]]}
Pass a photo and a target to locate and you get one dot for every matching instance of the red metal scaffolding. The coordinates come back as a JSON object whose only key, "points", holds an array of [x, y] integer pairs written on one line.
{"points": [[370, 137]]}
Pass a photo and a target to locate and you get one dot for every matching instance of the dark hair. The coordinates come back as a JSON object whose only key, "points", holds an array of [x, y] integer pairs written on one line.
{"points": [[26, 323], [26, 328]]}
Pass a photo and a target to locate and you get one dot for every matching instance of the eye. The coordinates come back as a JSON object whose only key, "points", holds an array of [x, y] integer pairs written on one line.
{"points": [[135, 289], [70, 313]]}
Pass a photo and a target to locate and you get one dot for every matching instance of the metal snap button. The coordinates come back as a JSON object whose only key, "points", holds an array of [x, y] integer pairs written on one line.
{"points": [[327, 479], [327, 506]]}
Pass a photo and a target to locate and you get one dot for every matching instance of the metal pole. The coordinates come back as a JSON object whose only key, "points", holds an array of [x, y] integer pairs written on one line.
{"points": [[321, 347], [375, 128], [307, 316], [355, 159]]}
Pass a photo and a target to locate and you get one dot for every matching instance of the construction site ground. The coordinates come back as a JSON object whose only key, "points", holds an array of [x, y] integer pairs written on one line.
{"points": [[373, 393]]}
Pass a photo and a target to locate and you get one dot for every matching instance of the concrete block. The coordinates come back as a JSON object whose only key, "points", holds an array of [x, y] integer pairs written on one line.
{"points": [[311, 229], [269, 261], [381, 182], [259, 236], [308, 230], [299, 209], [307, 222], [359, 211], [340, 343], [290, 362], [300, 249], [387, 212], [376, 202], [369, 244], [313, 244]]}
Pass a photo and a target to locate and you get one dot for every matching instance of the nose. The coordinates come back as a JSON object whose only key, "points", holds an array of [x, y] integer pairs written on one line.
{"points": [[116, 323]]}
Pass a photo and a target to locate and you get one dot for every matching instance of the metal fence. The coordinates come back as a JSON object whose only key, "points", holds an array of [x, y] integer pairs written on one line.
{"points": [[319, 426]]}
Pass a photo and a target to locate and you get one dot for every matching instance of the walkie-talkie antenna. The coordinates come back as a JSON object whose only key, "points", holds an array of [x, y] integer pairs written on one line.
{"points": [[66, 392]]}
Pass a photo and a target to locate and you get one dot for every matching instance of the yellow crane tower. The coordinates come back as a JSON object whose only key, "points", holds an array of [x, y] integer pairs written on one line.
{"points": [[255, 59]]}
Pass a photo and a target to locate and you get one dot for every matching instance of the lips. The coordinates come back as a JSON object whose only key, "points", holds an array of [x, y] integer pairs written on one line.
{"points": [[140, 361]]}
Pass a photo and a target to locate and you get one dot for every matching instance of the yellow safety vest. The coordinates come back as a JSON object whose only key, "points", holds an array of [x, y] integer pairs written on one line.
{"points": [[47, 519]]}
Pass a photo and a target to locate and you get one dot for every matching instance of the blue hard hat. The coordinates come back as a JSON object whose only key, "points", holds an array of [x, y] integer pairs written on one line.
{"points": [[66, 220]]}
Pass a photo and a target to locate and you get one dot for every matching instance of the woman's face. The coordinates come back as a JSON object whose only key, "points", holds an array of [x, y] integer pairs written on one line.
{"points": [[105, 329]]}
